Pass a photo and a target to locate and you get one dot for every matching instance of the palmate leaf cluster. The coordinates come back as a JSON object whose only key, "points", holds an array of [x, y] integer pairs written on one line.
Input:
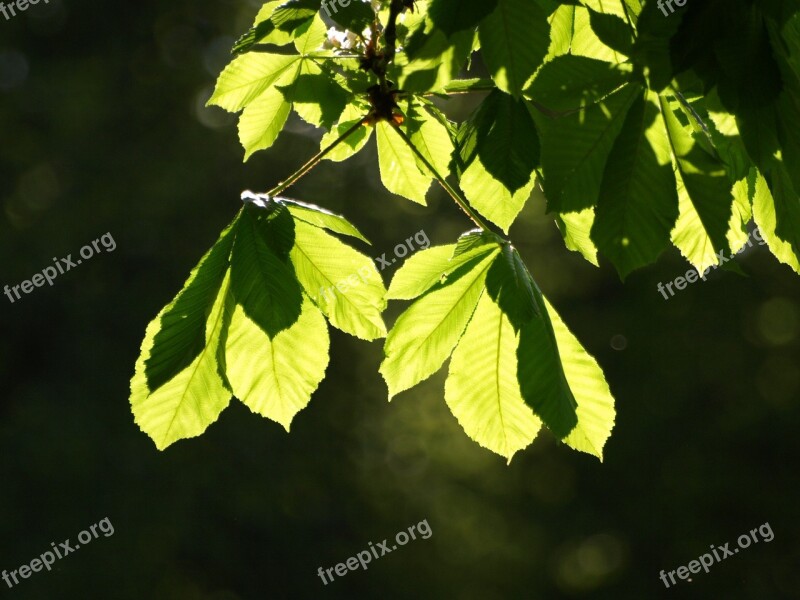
{"points": [[644, 130]]}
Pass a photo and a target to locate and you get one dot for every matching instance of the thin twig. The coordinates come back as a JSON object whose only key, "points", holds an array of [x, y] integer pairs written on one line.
{"points": [[628, 17], [691, 110], [335, 56], [294, 177], [462, 202], [396, 8]]}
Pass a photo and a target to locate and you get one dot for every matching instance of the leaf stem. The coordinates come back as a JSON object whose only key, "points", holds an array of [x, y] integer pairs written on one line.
{"points": [[628, 17], [454, 194], [691, 110], [315, 160], [396, 8]]}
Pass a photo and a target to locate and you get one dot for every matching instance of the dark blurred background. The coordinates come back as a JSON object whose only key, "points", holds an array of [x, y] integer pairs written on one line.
{"points": [[103, 129]]}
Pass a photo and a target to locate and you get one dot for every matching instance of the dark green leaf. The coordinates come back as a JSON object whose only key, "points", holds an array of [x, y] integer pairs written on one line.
{"points": [[575, 150], [541, 375], [638, 203], [317, 97], [514, 41], [356, 16], [570, 82], [452, 16], [503, 135], [612, 31], [294, 14], [510, 286], [264, 285], [182, 333], [277, 229], [258, 34]]}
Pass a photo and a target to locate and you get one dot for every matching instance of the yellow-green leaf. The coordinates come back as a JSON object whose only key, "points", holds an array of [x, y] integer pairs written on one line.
{"points": [[425, 334], [275, 378], [482, 389], [192, 400]]}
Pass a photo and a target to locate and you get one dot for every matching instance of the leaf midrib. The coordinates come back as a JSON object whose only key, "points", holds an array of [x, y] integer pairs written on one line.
{"points": [[299, 247], [199, 361], [453, 307]]}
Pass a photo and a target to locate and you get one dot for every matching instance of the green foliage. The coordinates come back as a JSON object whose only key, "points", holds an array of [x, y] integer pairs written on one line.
{"points": [[275, 375], [643, 130], [261, 280], [426, 333], [482, 389], [400, 172], [498, 151], [344, 283], [638, 203], [514, 42], [255, 302]]}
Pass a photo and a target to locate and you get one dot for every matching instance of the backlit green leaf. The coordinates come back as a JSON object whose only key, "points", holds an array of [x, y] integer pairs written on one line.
{"points": [[704, 179], [185, 405], [352, 114], [399, 171], [342, 282], [249, 76], [575, 228], [275, 376], [321, 217], [764, 214], [431, 138], [638, 203], [431, 59], [263, 120], [491, 198], [426, 333], [431, 266], [181, 333], [595, 410], [499, 148], [262, 284], [514, 41], [482, 390]]}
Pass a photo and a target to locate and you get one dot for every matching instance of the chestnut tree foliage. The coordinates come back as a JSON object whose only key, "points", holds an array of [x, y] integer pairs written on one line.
{"points": [[642, 129]]}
